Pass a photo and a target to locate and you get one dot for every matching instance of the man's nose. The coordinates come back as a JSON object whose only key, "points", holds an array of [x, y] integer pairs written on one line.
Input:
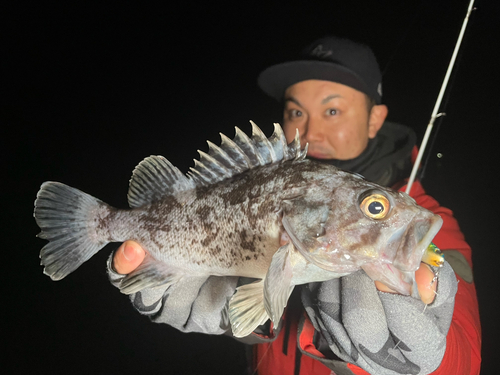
{"points": [[315, 130]]}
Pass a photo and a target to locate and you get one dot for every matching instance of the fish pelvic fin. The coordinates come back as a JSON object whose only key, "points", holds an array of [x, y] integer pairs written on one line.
{"points": [[246, 309], [68, 218], [254, 303]]}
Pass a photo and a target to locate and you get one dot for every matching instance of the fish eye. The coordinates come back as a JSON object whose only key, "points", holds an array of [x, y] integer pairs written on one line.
{"points": [[375, 206]]}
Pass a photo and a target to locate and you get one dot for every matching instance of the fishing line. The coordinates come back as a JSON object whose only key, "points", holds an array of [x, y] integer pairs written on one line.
{"points": [[262, 358]]}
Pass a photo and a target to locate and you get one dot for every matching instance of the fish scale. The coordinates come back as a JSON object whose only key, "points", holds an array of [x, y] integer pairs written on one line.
{"points": [[252, 207]]}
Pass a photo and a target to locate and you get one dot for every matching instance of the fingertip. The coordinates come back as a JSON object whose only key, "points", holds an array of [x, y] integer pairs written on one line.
{"points": [[426, 283], [128, 257], [383, 288]]}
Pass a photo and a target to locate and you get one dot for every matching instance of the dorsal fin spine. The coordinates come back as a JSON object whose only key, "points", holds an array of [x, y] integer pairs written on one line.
{"points": [[229, 144], [248, 147], [200, 166], [197, 176], [222, 156], [263, 144], [206, 157], [294, 146], [278, 141]]}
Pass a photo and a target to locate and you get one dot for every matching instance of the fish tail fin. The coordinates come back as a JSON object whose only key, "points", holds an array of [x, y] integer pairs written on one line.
{"points": [[67, 218]]}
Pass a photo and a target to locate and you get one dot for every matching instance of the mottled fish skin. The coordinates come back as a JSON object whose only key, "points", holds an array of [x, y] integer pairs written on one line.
{"points": [[252, 207], [230, 228]]}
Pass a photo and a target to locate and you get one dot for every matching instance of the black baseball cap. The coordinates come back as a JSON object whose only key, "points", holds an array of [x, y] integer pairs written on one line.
{"points": [[329, 59]]}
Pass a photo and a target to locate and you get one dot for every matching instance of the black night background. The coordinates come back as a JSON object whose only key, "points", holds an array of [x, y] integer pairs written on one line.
{"points": [[88, 91]]}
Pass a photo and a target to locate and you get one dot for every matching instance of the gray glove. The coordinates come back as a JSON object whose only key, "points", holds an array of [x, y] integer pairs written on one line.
{"points": [[197, 304], [380, 332]]}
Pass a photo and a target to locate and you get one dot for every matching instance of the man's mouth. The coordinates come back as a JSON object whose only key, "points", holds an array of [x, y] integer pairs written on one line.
{"points": [[318, 155]]}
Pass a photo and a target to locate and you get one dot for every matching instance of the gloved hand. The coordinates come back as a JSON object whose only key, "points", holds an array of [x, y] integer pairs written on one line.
{"points": [[197, 304], [383, 333]]}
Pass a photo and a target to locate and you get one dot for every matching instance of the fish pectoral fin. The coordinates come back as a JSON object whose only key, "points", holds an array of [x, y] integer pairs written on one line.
{"points": [[150, 273], [278, 283], [246, 309]]}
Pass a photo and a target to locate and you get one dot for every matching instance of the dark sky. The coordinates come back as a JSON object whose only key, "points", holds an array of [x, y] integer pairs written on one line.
{"points": [[88, 91]]}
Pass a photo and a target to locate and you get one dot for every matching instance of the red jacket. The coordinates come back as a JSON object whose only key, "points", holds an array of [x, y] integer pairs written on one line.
{"points": [[463, 342]]}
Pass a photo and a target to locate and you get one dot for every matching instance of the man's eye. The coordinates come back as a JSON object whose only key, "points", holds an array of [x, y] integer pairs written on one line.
{"points": [[331, 112], [295, 113]]}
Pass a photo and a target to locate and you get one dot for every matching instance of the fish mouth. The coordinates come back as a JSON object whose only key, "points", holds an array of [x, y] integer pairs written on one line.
{"points": [[409, 244], [412, 243]]}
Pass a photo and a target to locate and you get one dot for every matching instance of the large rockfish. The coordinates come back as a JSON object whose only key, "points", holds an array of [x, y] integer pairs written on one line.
{"points": [[252, 207]]}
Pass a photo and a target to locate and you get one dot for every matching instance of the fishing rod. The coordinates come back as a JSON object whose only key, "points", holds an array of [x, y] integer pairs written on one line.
{"points": [[435, 113]]}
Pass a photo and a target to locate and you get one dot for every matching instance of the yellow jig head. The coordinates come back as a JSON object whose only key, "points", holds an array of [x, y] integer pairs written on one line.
{"points": [[433, 256]]}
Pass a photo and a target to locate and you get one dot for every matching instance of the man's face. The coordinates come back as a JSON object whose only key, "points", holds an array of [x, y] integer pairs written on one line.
{"points": [[332, 118]]}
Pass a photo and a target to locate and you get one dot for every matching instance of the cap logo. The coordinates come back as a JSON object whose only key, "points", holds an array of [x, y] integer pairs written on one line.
{"points": [[318, 51]]}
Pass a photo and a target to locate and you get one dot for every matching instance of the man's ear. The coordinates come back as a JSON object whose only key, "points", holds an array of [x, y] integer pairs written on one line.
{"points": [[378, 115]]}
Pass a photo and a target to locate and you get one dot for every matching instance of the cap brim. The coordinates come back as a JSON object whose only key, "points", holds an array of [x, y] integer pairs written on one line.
{"points": [[277, 78]]}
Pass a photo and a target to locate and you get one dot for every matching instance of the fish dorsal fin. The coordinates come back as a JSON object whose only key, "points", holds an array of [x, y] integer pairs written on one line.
{"points": [[243, 153], [153, 179]]}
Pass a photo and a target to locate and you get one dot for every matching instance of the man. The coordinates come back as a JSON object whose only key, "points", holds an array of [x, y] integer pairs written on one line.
{"points": [[332, 95]]}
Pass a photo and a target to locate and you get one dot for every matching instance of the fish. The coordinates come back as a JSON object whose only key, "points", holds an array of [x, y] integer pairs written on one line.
{"points": [[252, 207]]}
